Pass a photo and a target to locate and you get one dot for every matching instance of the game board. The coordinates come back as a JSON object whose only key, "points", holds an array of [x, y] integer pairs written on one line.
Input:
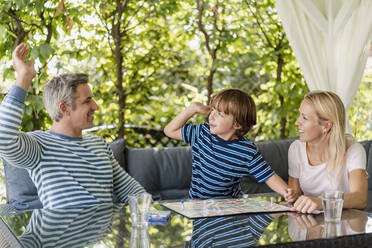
{"points": [[196, 208]]}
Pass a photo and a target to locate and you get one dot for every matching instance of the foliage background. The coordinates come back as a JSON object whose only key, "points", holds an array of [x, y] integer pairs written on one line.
{"points": [[148, 59]]}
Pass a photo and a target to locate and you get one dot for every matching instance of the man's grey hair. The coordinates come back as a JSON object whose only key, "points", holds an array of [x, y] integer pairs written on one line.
{"points": [[62, 89]]}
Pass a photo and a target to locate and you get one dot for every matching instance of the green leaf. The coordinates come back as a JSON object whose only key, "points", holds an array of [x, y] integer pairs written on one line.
{"points": [[20, 4], [35, 52], [45, 50]]}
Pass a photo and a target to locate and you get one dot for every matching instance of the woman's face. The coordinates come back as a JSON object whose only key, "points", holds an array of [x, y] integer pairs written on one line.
{"points": [[308, 124]]}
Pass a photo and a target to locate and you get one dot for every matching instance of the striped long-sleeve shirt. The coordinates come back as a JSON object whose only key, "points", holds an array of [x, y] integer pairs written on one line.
{"points": [[67, 171], [68, 227], [218, 165]]}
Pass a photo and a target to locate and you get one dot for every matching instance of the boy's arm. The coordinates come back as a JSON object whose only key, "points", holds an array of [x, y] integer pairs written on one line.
{"points": [[173, 129], [294, 184], [277, 184]]}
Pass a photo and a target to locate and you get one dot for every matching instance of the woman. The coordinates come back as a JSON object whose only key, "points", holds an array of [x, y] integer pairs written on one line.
{"points": [[325, 158]]}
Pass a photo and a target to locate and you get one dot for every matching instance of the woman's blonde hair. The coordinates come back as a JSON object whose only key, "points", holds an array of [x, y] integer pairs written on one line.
{"points": [[328, 106]]}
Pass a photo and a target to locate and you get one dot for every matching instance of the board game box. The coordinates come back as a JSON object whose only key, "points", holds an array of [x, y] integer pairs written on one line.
{"points": [[197, 208]]}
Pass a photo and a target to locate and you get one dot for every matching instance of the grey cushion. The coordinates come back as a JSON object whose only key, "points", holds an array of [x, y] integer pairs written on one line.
{"points": [[369, 202], [21, 191], [161, 169], [172, 194], [119, 149], [369, 165]]}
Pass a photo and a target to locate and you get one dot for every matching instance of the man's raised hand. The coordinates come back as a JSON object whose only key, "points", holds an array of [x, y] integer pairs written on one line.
{"points": [[25, 71]]}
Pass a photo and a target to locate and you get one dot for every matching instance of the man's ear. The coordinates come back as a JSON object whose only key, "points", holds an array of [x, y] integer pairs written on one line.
{"points": [[64, 108]]}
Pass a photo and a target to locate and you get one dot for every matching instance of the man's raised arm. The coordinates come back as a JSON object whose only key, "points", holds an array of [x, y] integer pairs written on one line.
{"points": [[25, 71], [17, 147]]}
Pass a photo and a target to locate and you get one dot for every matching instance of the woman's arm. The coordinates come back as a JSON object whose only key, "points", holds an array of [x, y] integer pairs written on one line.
{"points": [[357, 198]]}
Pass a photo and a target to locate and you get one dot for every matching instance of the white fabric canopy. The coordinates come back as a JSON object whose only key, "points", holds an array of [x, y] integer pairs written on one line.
{"points": [[330, 39]]}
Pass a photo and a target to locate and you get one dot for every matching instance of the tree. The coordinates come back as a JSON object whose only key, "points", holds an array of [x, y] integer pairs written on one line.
{"points": [[283, 92], [136, 36], [211, 23], [36, 23]]}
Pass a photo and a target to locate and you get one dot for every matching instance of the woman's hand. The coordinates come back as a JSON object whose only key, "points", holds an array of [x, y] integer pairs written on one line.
{"points": [[307, 204], [304, 221]]}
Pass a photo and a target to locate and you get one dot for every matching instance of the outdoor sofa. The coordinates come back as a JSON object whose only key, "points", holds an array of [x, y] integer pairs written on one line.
{"points": [[166, 172]]}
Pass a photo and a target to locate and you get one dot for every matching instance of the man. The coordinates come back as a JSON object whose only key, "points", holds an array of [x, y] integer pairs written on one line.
{"points": [[67, 167]]}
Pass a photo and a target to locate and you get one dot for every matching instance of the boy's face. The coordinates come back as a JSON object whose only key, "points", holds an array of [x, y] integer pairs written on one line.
{"points": [[223, 125]]}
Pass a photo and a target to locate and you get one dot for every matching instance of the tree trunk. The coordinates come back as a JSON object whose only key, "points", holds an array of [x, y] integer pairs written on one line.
{"points": [[283, 119], [210, 84], [119, 85]]}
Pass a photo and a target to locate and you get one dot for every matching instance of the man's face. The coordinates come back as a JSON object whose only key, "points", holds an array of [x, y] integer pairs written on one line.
{"points": [[83, 115]]}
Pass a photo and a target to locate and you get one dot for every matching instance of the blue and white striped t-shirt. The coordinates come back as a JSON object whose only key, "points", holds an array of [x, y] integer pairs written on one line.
{"points": [[218, 165], [67, 171]]}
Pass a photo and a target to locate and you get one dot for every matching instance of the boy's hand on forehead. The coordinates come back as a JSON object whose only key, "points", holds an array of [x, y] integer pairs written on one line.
{"points": [[201, 108]]}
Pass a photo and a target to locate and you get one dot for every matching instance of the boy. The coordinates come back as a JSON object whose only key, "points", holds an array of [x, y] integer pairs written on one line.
{"points": [[220, 153]]}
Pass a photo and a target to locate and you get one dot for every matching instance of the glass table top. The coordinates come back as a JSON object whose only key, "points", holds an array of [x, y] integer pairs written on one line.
{"points": [[110, 226]]}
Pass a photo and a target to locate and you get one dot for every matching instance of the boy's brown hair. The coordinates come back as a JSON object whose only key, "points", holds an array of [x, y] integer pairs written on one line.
{"points": [[239, 104]]}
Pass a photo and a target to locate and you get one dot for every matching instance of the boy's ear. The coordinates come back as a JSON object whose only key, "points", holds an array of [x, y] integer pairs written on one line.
{"points": [[237, 126]]}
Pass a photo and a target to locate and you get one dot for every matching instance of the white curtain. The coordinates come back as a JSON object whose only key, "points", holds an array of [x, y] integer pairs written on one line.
{"points": [[330, 39]]}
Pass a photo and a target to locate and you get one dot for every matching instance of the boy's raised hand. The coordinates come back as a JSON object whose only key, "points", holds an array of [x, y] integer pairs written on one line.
{"points": [[25, 71], [201, 108], [173, 129]]}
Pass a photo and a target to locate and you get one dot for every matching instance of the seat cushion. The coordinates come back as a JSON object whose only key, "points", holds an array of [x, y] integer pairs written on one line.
{"points": [[119, 150], [367, 145], [21, 191], [158, 169], [174, 194]]}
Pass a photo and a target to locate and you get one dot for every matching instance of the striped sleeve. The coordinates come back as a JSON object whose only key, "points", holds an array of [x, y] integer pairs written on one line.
{"points": [[124, 184], [190, 133], [259, 168], [16, 147]]}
